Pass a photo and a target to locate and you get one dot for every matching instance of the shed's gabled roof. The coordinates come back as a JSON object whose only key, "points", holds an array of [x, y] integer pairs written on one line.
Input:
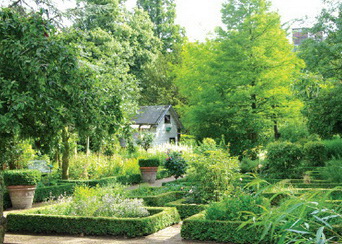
{"points": [[153, 115]]}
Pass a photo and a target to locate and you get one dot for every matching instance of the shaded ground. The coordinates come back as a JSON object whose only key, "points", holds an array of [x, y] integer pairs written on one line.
{"points": [[168, 235]]}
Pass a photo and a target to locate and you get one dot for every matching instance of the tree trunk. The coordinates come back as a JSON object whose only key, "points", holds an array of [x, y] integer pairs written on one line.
{"points": [[2, 220], [275, 129], [66, 153], [87, 146]]}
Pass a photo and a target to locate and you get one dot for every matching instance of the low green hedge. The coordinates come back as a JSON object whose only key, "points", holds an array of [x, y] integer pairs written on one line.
{"points": [[44, 193], [161, 199], [198, 228], [25, 177], [186, 210], [30, 221], [123, 179]]}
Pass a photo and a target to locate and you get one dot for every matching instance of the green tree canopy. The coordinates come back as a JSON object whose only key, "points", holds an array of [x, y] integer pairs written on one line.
{"points": [[323, 54], [239, 85], [163, 15]]}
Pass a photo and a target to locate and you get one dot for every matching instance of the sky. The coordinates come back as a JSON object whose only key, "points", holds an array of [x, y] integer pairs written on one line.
{"points": [[200, 17]]}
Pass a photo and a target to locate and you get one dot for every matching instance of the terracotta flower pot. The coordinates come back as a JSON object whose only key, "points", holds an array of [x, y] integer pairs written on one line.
{"points": [[21, 196], [149, 174]]}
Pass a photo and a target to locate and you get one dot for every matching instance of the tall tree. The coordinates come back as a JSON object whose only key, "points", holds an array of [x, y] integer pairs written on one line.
{"points": [[324, 112], [163, 15], [42, 87], [323, 54], [243, 87], [118, 42], [157, 80]]}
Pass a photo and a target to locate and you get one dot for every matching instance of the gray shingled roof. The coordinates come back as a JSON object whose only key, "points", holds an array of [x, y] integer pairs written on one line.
{"points": [[153, 115]]}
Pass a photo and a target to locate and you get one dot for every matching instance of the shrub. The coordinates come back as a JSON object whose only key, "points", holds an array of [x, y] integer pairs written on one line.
{"points": [[249, 165], [213, 175], [208, 144], [176, 164], [315, 153], [284, 158], [236, 208], [145, 140], [152, 162], [21, 177], [334, 148], [333, 170]]}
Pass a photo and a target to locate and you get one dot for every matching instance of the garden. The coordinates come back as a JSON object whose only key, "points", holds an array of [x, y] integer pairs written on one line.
{"points": [[249, 148], [257, 198]]}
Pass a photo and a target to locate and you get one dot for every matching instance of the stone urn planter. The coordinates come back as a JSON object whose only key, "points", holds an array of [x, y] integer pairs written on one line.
{"points": [[148, 169], [21, 186]]}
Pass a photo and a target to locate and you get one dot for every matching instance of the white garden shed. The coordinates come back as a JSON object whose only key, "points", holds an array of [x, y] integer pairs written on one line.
{"points": [[163, 121]]}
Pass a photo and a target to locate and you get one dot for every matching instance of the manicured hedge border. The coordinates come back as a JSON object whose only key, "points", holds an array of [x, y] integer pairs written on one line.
{"points": [[31, 221], [186, 210], [44, 193], [161, 199], [123, 179], [198, 228]]}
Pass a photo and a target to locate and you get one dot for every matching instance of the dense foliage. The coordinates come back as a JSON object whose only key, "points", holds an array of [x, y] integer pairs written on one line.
{"points": [[239, 85], [212, 174], [21, 177], [240, 207], [151, 162], [283, 159], [176, 164]]}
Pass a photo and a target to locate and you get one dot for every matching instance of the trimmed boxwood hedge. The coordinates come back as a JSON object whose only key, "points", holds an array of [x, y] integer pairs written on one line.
{"points": [[123, 179], [25, 177], [30, 221], [161, 199], [43, 193], [198, 228], [150, 162], [186, 210]]}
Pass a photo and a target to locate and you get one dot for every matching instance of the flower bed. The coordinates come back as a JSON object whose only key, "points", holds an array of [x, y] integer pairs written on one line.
{"points": [[198, 228], [32, 221], [186, 210]]}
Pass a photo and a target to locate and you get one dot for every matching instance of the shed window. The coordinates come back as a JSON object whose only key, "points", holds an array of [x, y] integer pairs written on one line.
{"points": [[167, 119]]}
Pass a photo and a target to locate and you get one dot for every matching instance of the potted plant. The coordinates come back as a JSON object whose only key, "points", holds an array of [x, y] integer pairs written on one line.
{"points": [[148, 169], [21, 185]]}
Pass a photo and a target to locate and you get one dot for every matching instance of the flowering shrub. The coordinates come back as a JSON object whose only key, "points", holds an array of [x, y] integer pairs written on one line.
{"points": [[176, 164]]}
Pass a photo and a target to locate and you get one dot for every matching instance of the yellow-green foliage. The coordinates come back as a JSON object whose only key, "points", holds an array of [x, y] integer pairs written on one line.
{"points": [[99, 166], [213, 173]]}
